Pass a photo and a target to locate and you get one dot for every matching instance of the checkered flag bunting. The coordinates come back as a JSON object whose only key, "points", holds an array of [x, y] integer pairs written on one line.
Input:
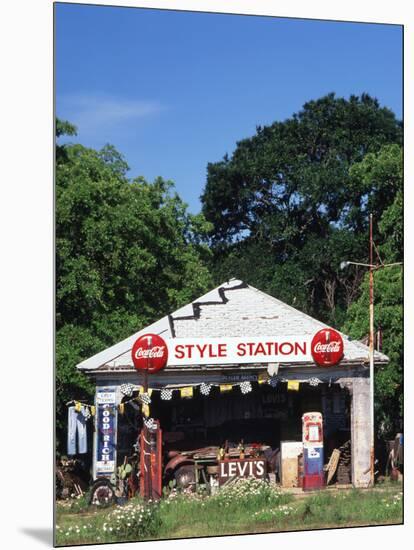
{"points": [[314, 381], [127, 389], [150, 423], [246, 387], [145, 398], [166, 395], [205, 388]]}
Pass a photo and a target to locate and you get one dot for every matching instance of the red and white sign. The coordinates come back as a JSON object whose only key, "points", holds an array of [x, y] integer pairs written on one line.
{"points": [[327, 347], [235, 350], [247, 467], [150, 352]]}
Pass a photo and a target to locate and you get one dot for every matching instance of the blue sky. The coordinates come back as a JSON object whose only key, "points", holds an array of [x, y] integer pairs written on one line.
{"points": [[173, 91]]}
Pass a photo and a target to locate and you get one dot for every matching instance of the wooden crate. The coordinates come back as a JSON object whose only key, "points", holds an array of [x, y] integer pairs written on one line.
{"points": [[289, 452]]}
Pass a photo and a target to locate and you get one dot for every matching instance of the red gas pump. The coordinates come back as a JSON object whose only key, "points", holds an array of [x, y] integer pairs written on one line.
{"points": [[149, 355], [312, 437], [151, 462]]}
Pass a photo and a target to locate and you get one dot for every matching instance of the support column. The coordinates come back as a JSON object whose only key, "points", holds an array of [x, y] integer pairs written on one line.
{"points": [[361, 432]]}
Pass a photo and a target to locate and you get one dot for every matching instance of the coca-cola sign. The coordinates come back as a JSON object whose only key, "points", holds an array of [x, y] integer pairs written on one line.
{"points": [[150, 352], [327, 347]]}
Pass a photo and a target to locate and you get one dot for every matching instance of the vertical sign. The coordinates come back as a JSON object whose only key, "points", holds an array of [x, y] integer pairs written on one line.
{"points": [[106, 431]]}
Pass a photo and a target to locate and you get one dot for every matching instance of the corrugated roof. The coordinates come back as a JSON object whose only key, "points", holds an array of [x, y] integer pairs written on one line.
{"points": [[232, 309]]}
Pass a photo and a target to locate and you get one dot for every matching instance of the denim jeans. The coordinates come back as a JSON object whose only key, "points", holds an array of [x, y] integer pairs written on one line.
{"points": [[76, 425]]}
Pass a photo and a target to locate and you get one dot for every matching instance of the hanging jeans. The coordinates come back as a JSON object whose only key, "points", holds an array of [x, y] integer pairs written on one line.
{"points": [[76, 424]]}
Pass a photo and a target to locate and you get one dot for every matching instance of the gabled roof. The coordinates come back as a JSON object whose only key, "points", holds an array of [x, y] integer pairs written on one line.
{"points": [[232, 309]]}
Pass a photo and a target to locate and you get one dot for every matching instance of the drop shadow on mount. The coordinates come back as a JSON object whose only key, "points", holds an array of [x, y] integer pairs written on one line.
{"points": [[44, 535]]}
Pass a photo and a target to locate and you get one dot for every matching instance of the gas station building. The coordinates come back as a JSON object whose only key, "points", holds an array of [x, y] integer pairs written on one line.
{"points": [[253, 353]]}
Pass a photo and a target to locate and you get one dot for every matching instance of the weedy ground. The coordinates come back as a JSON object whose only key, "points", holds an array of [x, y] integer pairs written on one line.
{"points": [[249, 506]]}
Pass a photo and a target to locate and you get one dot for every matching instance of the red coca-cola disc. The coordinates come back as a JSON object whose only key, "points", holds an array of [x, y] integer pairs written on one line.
{"points": [[327, 347], [150, 352]]}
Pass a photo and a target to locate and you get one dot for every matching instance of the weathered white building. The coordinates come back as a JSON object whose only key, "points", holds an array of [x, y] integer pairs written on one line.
{"points": [[235, 309]]}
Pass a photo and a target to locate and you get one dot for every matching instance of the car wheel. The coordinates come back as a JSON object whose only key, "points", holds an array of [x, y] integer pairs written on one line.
{"points": [[185, 476], [102, 493]]}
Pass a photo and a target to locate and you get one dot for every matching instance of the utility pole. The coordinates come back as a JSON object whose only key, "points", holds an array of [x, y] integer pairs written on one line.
{"points": [[372, 267], [371, 347], [146, 431]]}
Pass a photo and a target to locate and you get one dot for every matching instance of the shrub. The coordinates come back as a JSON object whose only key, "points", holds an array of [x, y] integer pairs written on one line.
{"points": [[75, 504], [250, 492]]}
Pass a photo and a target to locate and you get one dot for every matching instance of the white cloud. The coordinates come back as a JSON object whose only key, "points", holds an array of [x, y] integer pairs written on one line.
{"points": [[97, 113]]}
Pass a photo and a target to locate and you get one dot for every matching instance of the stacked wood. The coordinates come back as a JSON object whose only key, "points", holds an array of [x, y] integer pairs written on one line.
{"points": [[332, 465], [343, 474]]}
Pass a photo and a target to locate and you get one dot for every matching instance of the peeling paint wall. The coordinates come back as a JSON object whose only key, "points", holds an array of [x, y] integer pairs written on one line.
{"points": [[361, 432]]}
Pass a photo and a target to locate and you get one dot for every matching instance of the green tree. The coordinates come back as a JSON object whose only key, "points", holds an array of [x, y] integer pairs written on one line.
{"points": [[63, 127], [383, 171], [380, 177], [127, 253], [388, 317], [286, 199]]}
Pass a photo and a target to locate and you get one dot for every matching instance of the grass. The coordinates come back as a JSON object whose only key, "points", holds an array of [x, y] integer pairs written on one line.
{"points": [[134, 521], [245, 509]]}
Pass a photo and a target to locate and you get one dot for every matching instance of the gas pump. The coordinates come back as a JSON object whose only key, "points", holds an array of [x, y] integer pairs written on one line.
{"points": [[151, 469], [149, 355], [312, 437]]}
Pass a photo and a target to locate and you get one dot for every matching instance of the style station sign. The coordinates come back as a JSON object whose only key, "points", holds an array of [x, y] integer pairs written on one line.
{"points": [[324, 349], [152, 353]]}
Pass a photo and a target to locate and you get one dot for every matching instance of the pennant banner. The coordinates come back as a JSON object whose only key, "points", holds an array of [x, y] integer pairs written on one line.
{"points": [[186, 392], [263, 378]]}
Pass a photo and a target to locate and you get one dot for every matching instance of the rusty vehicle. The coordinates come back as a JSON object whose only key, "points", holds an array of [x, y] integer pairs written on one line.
{"points": [[188, 467], [119, 487]]}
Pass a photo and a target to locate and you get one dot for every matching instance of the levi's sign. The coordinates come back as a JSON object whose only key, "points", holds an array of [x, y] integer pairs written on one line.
{"points": [[248, 467], [219, 351]]}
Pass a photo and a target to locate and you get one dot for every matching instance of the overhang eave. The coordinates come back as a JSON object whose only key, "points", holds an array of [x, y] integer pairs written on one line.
{"points": [[128, 369]]}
